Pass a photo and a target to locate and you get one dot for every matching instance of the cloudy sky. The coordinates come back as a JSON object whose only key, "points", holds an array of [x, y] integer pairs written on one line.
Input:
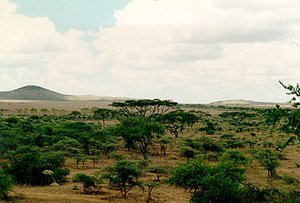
{"points": [[185, 50]]}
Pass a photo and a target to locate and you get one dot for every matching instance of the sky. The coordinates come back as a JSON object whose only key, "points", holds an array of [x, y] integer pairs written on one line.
{"points": [[186, 50]]}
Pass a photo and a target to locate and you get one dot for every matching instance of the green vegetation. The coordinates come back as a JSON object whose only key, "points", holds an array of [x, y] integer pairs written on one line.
{"points": [[220, 183], [235, 155], [5, 184]]}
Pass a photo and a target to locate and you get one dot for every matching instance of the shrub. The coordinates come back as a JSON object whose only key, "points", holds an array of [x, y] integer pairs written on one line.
{"points": [[84, 179], [219, 183], [290, 180], [28, 164], [91, 184], [6, 182], [293, 196], [235, 157], [251, 193], [187, 152]]}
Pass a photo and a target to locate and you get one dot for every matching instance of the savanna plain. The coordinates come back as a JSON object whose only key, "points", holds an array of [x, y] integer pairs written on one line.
{"points": [[148, 151]]}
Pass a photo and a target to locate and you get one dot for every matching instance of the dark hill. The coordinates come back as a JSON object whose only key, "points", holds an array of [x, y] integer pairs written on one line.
{"points": [[32, 92]]}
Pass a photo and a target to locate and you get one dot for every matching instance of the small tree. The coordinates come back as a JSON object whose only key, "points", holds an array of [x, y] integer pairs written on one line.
{"points": [[176, 121], [103, 114], [163, 142], [75, 114], [269, 161], [141, 132], [158, 171], [150, 186], [187, 152], [124, 176]]}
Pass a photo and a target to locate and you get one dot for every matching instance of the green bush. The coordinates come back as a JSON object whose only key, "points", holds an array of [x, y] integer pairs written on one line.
{"points": [[235, 157], [6, 182], [293, 197], [219, 183], [187, 152], [86, 180], [251, 193], [28, 164], [290, 180], [60, 175]]}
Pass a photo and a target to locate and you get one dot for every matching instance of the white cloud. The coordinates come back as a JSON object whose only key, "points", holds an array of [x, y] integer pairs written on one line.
{"points": [[187, 50], [204, 46], [33, 51]]}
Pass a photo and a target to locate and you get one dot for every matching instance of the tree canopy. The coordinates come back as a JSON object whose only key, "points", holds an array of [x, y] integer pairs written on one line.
{"points": [[144, 107]]}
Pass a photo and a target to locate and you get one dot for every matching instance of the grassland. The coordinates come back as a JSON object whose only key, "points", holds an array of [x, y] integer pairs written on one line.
{"points": [[243, 130]]}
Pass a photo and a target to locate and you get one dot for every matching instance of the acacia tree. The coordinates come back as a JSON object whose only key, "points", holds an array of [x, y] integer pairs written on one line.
{"points": [[140, 132], [292, 90], [291, 117], [175, 121], [103, 114], [144, 107], [163, 142]]}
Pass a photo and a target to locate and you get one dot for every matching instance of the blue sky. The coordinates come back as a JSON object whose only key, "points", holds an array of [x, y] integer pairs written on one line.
{"points": [[187, 50], [77, 14]]}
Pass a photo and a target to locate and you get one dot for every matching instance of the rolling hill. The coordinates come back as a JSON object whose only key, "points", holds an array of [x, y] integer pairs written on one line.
{"points": [[247, 103], [33, 92]]}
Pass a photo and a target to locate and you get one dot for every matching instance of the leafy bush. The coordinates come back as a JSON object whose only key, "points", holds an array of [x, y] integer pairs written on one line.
{"points": [[235, 157], [187, 152], [210, 127], [6, 182], [91, 184], [293, 196], [290, 180], [86, 180], [251, 193], [220, 183], [28, 164]]}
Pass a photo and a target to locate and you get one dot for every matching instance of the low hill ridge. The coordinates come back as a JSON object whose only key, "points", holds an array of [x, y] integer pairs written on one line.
{"points": [[247, 103], [34, 92]]}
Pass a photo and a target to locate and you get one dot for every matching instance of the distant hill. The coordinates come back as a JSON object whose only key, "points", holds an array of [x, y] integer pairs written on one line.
{"points": [[246, 103], [33, 92]]}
